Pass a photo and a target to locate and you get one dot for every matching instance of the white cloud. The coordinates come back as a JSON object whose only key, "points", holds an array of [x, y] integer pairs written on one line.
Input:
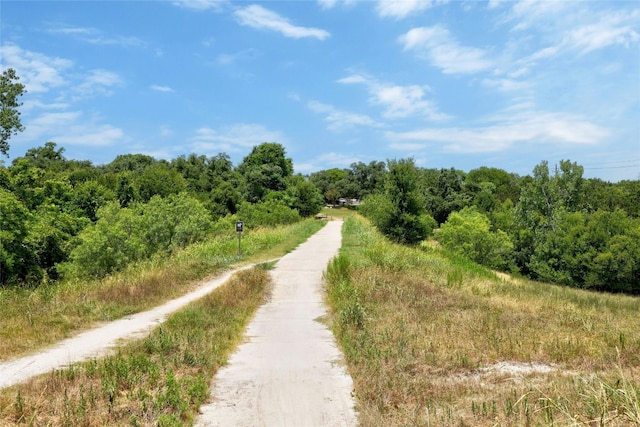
{"points": [[233, 138], [71, 128], [401, 8], [200, 5], [610, 30], [398, 101], [97, 82], [95, 36], [159, 88], [243, 55], [438, 46], [38, 72], [330, 4], [338, 120], [258, 17], [531, 127]]}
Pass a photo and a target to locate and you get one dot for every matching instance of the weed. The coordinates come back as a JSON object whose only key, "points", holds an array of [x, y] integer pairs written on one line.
{"points": [[159, 380], [420, 326]]}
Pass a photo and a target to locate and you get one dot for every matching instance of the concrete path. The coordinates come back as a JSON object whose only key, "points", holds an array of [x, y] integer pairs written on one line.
{"points": [[289, 371], [99, 341]]}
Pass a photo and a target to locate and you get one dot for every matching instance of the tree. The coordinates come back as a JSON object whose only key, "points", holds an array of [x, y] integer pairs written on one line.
{"points": [[447, 195], [10, 91], [305, 197], [159, 179], [17, 261], [363, 179], [265, 169], [404, 218], [468, 232], [327, 181]]}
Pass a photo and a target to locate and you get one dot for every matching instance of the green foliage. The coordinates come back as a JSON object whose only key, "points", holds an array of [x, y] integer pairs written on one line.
{"points": [[10, 91], [305, 196], [159, 180], [268, 213], [400, 213], [51, 237], [124, 235], [468, 233], [173, 222], [447, 194], [599, 250], [265, 169], [17, 261]]}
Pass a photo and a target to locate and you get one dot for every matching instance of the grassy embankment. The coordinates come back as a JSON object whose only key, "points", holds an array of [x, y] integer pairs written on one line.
{"points": [[164, 378], [32, 319], [434, 340], [157, 381]]}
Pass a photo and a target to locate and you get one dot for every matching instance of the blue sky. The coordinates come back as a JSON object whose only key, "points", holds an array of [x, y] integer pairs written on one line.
{"points": [[457, 84]]}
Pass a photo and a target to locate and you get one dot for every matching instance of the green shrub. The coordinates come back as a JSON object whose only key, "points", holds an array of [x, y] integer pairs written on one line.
{"points": [[468, 232]]}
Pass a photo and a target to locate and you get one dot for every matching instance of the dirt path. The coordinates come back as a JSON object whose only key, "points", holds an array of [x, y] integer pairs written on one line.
{"points": [[99, 341], [289, 371]]}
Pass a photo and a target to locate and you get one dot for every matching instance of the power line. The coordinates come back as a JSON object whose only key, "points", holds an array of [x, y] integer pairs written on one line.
{"points": [[615, 167]]}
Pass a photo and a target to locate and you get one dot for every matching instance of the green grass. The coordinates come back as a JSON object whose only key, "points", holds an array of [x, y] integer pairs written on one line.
{"points": [[160, 380], [32, 319], [426, 333]]}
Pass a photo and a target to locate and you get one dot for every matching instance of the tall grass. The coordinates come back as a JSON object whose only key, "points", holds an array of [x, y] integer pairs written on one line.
{"points": [[432, 339], [160, 380], [31, 319]]}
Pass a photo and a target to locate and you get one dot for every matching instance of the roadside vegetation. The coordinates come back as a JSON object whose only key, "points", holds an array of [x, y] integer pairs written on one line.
{"points": [[160, 380], [33, 318], [434, 339]]}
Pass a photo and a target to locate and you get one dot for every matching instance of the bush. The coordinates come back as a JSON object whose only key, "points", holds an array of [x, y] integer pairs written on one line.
{"points": [[268, 213], [468, 232], [124, 235]]}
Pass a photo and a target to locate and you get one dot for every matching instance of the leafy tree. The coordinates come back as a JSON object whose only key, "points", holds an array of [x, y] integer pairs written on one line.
{"points": [[267, 213], [225, 199], [505, 185], [364, 179], [468, 232], [263, 179], [10, 91], [448, 195], [159, 180], [125, 192], [404, 218], [265, 169], [50, 237], [46, 157], [268, 153], [17, 262], [110, 244], [327, 182], [305, 197], [27, 182], [173, 222], [542, 202], [130, 162], [89, 196], [598, 250]]}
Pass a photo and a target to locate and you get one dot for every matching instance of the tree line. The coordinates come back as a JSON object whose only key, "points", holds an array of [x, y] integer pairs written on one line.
{"points": [[62, 217], [554, 225]]}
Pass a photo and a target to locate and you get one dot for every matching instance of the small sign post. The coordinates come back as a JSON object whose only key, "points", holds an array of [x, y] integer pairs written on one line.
{"points": [[239, 230]]}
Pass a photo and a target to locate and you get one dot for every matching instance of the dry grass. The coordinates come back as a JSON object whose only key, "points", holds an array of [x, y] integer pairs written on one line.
{"points": [[160, 380], [434, 340], [32, 319]]}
